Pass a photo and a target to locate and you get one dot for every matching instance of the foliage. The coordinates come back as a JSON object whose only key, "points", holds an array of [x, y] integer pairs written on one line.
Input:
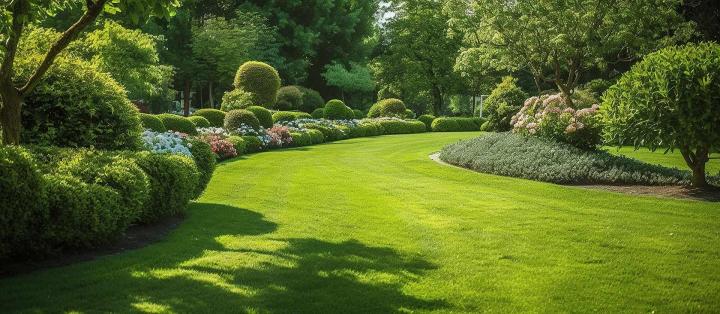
{"points": [[399, 126], [597, 87], [551, 117], [235, 118], [358, 114], [167, 142], [204, 154], [318, 113], [455, 124], [199, 122], [174, 181], [545, 160], [388, 108], [236, 99], [502, 104], [301, 139], [281, 116], [238, 143], [290, 95], [669, 101], [75, 105], [261, 80], [177, 123], [311, 100], [428, 120], [152, 122], [337, 110], [356, 80], [252, 144], [264, 116], [214, 116]]}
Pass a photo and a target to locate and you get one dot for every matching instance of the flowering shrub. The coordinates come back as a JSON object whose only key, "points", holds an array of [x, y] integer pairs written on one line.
{"points": [[549, 116], [167, 142], [280, 136]]}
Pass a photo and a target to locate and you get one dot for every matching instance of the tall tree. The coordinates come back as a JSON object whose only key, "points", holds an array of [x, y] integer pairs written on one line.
{"points": [[15, 16], [356, 81]]}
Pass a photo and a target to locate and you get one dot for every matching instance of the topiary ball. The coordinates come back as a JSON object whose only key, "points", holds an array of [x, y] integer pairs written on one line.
{"points": [[236, 99], [283, 116], [214, 116], [391, 107], [337, 110], [235, 118], [289, 98], [177, 123], [205, 161], [263, 115], [261, 80], [311, 100], [152, 122], [318, 113], [173, 183], [199, 122], [428, 120], [358, 114]]}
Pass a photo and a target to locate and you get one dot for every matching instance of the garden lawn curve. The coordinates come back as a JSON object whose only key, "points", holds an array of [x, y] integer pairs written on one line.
{"points": [[373, 225]]}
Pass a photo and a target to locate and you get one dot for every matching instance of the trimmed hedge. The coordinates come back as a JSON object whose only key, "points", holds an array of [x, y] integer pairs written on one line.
{"points": [[174, 181], [538, 159], [390, 107], [301, 139], [199, 122], [291, 97], [428, 120], [337, 110], [178, 123], [281, 116], [329, 133], [252, 144], [214, 116], [239, 144], [205, 161], [318, 113], [402, 126], [261, 80], [311, 100], [152, 122], [316, 136], [235, 118], [263, 115], [456, 124]]}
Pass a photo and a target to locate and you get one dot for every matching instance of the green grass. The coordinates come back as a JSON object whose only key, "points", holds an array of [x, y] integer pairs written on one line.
{"points": [[372, 225], [671, 159]]}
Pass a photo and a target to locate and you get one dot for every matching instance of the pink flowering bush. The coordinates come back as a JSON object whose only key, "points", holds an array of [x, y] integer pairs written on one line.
{"points": [[279, 136], [549, 116], [219, 144]]}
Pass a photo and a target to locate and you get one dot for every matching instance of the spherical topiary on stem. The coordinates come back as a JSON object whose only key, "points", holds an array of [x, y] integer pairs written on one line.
{"points": [[177, 123], [263, 115], [238, 117], [337, 110], [670, 100], [291, 98], [214, 116], [261, 80], [152, 122], [391, 107]]}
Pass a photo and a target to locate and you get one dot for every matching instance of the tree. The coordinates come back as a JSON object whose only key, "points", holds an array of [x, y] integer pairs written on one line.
{"points": [[417, 56], [559, 40], [357, 80], [670, 100], [15, 17]]}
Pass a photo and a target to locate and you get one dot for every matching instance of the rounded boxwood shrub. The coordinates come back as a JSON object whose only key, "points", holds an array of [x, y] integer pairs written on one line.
{"points": [[358, 114], [205, 161], [173, 183], [301, 139], [235, 118], [409, 114], [428, 120], [291, 97], [214, 116], [261, 80], [402, 126], [75, 105], [199, 122], [311, 100], [337, 110], [316, 136], [236, 99], [263, 115], [284, 116], [22, 197], [152, 123], [391, 107], [239, 144], [318, 113], [177, 123], [252, 144], [502, 104], [445, 125]]}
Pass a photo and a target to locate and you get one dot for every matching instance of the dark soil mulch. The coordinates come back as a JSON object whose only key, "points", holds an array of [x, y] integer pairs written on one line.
{"points": [[711, 194]]}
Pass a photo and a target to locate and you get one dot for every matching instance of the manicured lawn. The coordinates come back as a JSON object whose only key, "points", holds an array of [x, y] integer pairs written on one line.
{"points": [[671, 159], [373, 225]]}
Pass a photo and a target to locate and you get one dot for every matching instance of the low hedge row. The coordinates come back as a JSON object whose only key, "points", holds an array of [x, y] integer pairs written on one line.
{"points": [[56, 199], [281, 116], [456, 124], [538, 159]]}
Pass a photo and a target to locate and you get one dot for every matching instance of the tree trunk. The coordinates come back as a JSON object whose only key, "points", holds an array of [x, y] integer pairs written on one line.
{"points": [[210, 95], [696, 161], [186, 100], [10, 114], [437, 100]]}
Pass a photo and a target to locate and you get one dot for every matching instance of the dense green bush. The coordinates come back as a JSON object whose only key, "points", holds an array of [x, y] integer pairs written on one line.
{"points": [[199, 122], [337, 110], [455, 124], [261, 80], [263, 115], [371, 128], [236, 99], [316, 136], [152, 122], [281, 116], [214, 116], [358, 114], [670, 100], [177, 123], [311, 100], [252, 144], [597, 87], [239, 144], [428, 120], [173, 183], [397, 126], [205, 162], [75, 105], [318, 113], [502, 104], [22, 198], [545, 160], [291, 97], [330, 133], [391, 107], [235, 118], [301, 139]]}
